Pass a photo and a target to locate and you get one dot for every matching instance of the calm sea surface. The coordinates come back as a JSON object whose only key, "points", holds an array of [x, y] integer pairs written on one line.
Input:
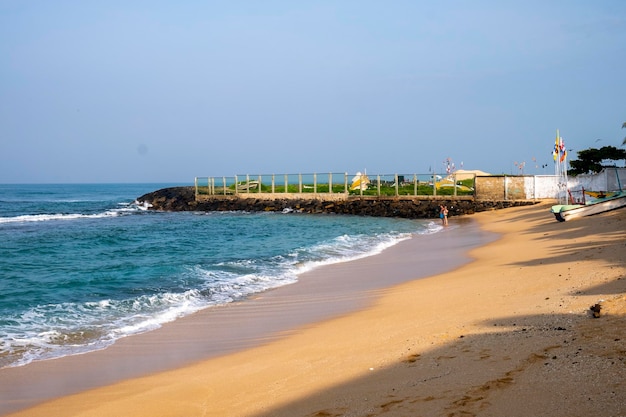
{"points": [[82, 265]]}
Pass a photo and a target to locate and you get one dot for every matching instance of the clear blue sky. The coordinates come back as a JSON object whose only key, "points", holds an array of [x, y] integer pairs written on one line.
{"points": [[163, 91]]}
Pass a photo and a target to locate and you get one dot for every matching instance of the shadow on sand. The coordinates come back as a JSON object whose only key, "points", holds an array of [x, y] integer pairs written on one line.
{"points": [[557, 365], [547, 364]]}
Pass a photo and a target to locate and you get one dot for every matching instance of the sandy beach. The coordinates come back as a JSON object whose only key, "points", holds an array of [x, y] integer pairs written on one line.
{"points": [[510, 333]]}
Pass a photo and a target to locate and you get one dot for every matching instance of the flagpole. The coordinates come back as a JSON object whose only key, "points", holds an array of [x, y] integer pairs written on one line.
{"points": [[561, 159], [559, 155]]}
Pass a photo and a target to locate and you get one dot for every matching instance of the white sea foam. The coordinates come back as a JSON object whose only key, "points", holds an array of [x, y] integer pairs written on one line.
{"points": [[47, 217], [50, 331], [350, 248], [142, 205], [28, 218]]}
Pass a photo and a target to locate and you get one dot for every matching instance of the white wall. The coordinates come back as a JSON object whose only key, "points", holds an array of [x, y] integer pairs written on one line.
{"points": [[547, 186], [606, 180]]}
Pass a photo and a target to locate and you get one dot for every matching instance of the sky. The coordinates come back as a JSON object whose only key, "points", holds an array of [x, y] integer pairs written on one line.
{"points": [[162, 91]]}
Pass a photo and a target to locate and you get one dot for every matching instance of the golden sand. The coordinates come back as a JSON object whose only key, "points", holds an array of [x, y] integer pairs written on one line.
{"points": [[509, 334]]}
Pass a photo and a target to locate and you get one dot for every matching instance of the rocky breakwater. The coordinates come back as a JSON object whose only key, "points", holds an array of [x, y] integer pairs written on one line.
{"points": [[183, 199]]}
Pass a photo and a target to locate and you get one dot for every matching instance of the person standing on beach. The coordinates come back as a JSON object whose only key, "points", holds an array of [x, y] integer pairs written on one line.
{"points": [[443, 214]]}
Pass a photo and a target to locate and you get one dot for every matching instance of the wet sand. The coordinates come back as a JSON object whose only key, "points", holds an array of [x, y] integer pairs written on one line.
{"points": [[510, 334]]}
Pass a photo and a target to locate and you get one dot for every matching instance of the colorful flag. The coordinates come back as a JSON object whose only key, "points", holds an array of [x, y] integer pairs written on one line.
{"points": [[555, 151]]}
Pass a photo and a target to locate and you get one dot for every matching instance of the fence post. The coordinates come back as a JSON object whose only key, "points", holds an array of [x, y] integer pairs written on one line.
{"points": [[361, 185], [395, 177], [474, 187], [300, 183], [314, 183], [345, 182], [415, 185], [506, 188], [236, 185], [454, 179], [434, 184], [286, 183], [260, 182], [273, 183], [330, 182]]}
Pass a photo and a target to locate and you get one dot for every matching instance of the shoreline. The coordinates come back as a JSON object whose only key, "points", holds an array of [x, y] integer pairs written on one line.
{"points": [[321, 294], [507, 334]]}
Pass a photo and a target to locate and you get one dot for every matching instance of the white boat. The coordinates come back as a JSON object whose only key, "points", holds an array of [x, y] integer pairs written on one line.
{"points": [[600, 201], [610, 201]]}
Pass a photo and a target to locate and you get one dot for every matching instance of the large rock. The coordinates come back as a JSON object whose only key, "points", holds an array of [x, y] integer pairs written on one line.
{"points": [[170, 199]]}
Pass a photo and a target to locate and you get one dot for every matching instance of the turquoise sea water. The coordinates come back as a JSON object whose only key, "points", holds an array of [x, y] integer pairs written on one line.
{"points": [[82, 265]]}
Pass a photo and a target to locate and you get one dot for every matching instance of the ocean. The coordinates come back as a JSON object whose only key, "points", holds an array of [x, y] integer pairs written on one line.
{"points": [[83, 265]]}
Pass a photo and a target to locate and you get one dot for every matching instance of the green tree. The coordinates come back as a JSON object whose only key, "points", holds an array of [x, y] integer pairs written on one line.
{"points": [[590, 160]]}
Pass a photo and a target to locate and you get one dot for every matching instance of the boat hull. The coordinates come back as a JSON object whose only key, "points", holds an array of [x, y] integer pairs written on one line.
{"points": [[568, 212]]}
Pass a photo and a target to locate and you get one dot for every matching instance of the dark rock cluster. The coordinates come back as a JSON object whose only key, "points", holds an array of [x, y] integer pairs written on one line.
{"points": [[170, 199], [183, 199]]}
